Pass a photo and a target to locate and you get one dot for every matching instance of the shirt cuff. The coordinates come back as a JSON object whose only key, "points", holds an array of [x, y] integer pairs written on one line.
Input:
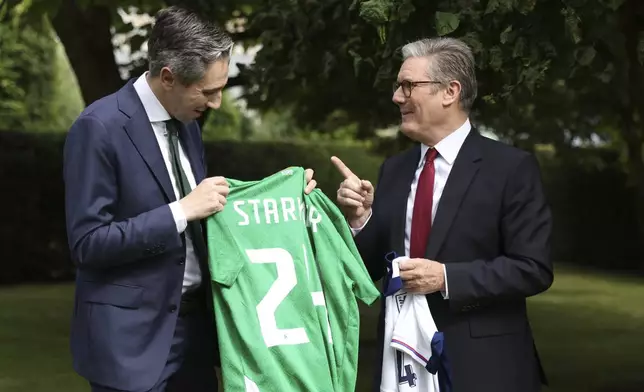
{"points": [[446, 292], [179, 216], [359, 229]]}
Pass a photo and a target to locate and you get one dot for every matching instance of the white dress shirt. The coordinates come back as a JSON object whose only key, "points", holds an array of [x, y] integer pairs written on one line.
{"points": [[157, 115], [447, 149]]}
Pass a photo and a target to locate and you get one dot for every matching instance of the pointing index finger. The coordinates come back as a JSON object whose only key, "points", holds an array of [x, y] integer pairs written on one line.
{"points": [[342, 168]]}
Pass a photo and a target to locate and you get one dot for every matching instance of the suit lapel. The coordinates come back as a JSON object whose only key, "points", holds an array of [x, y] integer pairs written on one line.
{"points": [[402, 184], [465, 168], [191, 147], [142, 135]]}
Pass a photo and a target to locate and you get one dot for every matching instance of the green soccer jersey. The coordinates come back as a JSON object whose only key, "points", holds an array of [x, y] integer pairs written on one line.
{"points": [[286, 277]]}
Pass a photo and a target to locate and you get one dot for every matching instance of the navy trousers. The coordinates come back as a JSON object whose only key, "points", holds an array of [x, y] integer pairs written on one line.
{"points": [[190, 365]]}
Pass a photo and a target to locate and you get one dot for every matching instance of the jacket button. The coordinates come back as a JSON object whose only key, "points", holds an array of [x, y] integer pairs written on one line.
{"points": [[181, 261], [172, 308]]}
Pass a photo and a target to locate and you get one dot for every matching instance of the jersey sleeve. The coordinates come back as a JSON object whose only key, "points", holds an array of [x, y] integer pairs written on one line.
{"points": [[414, 329], [363, 287], [226, 258]]}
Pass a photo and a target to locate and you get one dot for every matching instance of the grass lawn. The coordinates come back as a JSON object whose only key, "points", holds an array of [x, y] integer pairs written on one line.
{"points": [[589, 330]]}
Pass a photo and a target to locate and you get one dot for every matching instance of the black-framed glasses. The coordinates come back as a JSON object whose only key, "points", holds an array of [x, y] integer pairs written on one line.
{"points": [[408, 85]]}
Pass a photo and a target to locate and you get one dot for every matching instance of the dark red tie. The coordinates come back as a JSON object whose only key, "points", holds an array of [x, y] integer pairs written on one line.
{"points": [[421, 222]]}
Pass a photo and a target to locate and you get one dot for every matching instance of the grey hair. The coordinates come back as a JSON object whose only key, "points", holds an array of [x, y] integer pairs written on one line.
{"points": [[452, 60], [185, 43]]}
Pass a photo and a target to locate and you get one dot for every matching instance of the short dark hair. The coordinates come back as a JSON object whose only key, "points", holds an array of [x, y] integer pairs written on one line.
{"points": [[186, 43]]}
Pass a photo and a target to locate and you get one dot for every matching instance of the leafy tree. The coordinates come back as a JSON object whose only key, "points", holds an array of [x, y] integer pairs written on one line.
{"points": [[66, 99], [320, 58], [550, 71], [339, 55], [31, 69]]}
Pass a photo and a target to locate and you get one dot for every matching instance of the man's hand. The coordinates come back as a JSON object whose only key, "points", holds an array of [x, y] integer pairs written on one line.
{"points": [[422, 276], [355, 196], [310, 182], [206, 199]]}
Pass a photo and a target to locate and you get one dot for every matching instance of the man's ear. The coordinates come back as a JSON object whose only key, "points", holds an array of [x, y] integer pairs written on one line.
{"points": [[167, 78], [452, 93]]}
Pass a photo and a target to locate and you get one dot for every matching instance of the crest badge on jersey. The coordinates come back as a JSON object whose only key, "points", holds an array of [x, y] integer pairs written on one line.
{"points": [[400, 300]]}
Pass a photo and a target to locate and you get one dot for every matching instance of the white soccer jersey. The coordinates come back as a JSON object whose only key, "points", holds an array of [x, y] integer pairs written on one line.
{"points": [[409, 333]]}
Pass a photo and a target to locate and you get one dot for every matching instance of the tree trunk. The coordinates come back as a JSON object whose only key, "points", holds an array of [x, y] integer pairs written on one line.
{"points": [[85, 33], [633, 112]]}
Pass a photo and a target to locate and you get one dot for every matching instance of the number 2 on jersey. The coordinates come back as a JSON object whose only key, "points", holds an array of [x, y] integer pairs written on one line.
{"points": [[284, 283]]}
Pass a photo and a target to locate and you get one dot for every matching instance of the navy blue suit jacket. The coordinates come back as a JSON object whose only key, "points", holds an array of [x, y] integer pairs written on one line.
{"points": [[492, 230], [124, 241]]}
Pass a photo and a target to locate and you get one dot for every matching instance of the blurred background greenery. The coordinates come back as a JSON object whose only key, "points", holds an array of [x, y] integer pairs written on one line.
{"points": [[311, 79]]}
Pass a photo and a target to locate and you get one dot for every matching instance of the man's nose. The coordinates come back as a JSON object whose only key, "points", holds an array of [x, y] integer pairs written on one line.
{"points": [[214, 100], [398, 98]]}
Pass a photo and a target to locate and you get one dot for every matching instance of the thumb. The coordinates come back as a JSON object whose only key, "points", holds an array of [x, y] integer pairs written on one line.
{"points": [[366, 185], [406, 264]]}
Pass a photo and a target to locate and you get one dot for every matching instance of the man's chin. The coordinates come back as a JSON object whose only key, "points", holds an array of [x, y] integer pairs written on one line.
{"points": [[191, 116]]}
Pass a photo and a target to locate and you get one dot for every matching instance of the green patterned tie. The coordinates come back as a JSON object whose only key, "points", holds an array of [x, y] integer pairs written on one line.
{"points": [[194, 227]]}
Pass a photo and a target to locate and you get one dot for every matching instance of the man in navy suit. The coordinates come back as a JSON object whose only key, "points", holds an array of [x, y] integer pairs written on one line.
{"points": [[136, 191], [471, 215]]}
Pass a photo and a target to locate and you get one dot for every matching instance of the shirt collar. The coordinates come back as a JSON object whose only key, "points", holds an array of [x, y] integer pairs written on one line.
{"points": [[449, 147], [155, 111]]}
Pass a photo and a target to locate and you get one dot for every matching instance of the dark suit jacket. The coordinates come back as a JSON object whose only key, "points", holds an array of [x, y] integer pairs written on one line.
{"points": [[124, 241], [492, 230]]}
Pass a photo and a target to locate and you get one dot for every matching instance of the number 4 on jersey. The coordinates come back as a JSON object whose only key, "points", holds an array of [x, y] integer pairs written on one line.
{"points": [[407, 375]]}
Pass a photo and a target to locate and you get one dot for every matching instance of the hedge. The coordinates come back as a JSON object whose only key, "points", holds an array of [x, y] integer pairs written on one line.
{"points": [[592, 206], [594, 210], [33, 220]]}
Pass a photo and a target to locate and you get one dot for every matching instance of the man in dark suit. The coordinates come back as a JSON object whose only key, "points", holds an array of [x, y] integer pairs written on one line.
{"points": [[471, 215], [136, 194]]}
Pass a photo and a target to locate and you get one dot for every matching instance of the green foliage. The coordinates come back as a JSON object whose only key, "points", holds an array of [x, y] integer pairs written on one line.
{"points": [[65, 99], [347, 62], [100, 27], [224, 123], [446, 22], [583, 87], [544, 68], [318, 58], [29, 73], [541, 64], [231, 122], [375, 12], [39, 90], [31, 12], [279, 124]]}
